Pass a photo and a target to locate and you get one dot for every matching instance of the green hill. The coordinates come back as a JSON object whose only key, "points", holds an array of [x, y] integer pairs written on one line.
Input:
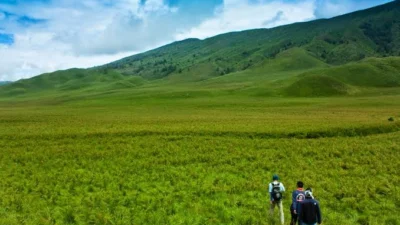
{"points": [[4, 82], [341, 80], [317, 85], [370, 72], [334, 55]]}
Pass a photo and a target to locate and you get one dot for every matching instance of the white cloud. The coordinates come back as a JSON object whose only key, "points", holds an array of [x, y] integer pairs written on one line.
{"points": [[33, 54], [93, 28], [84, 36], [148, 27], [236, 15]]}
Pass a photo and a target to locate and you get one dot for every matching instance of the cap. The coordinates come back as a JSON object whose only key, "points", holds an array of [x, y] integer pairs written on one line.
{"points": [[308, 194]]}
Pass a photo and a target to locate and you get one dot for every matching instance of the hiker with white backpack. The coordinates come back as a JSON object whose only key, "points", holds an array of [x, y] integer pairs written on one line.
{"points": [[276, 189]]}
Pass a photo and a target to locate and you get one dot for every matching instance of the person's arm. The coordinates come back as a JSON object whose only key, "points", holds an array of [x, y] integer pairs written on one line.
{"points": [[270, 192], [294, 200], [298, 209], [319, 217], [282, 188]]}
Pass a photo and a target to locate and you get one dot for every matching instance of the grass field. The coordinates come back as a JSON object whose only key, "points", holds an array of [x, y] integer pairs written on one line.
{"points": [[192, 132], [197, 160]]}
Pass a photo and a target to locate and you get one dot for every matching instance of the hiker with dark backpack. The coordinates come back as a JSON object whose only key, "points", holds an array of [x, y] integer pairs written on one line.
{"points": [[309, 210], [298, 196], [276, 189]]}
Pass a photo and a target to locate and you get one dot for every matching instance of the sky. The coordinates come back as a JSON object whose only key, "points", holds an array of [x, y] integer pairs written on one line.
{"points": [[38, 36]]}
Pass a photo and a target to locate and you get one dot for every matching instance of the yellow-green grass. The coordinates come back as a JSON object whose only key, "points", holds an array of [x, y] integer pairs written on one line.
{"points": [[197, 160]]}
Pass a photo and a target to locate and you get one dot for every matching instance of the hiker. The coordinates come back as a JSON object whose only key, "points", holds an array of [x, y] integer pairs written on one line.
{"points": [[275, 190], [298, 196], [309, 211]]}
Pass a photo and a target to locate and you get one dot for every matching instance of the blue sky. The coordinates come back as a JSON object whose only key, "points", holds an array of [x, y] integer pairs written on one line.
{"points": [[38, 36]]}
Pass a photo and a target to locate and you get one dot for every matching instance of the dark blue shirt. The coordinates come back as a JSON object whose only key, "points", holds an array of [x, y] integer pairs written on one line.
{"points": [[297, 197], [309, 211]]}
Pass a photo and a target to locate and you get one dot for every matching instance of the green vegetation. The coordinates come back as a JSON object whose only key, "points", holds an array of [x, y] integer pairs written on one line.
{"points": [[191, 133], [197, 160], [371, 72]]}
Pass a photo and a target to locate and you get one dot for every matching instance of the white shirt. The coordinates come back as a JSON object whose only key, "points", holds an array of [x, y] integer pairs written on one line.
{"points": [[282, 188]]}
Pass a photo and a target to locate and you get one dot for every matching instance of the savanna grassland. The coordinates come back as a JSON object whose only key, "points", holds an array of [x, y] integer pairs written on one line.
{"points": [[197, 160]]}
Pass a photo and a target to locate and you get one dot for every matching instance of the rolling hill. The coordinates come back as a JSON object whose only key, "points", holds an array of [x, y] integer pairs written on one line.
{"points": [[341, 80], [349, 54]]}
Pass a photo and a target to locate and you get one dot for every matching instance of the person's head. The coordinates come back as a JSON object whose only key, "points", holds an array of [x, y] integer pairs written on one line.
{"points": [[300, 184], [275, 177], [308, 193]]}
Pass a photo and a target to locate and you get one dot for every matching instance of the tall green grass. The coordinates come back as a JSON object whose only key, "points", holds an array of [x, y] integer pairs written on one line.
{"points": [[197, 160]]}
